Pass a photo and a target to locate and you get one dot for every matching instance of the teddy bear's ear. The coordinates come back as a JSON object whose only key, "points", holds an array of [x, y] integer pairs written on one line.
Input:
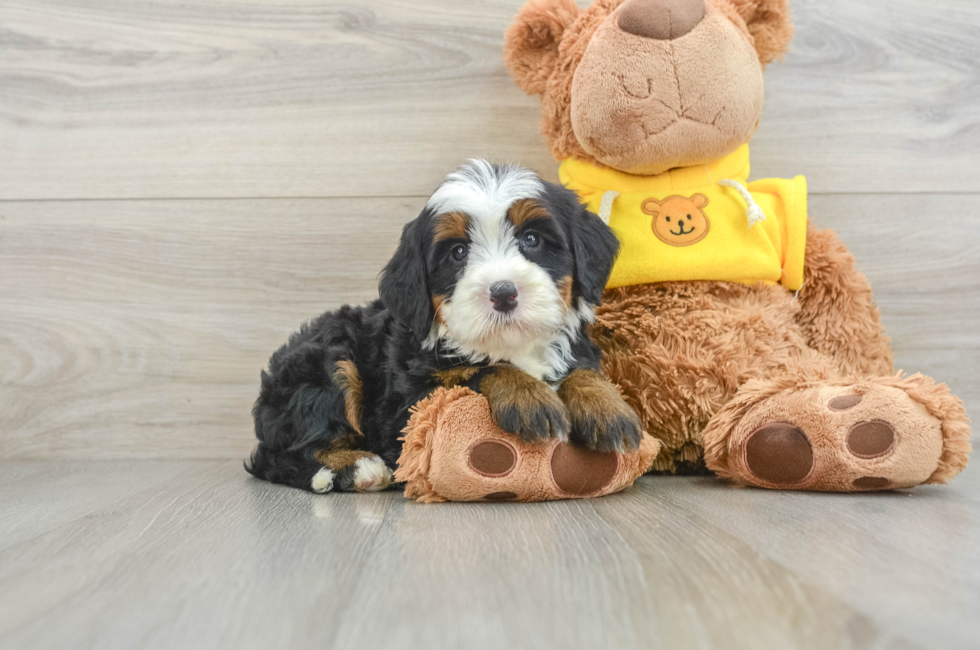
{"points": [[531, 42], [770, 23], [651, 207], [700, 200]]}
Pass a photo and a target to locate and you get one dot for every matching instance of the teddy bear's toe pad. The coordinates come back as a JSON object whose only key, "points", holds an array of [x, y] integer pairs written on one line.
{"points": [[493, 458], [872, 483], [837, 438], [581, 472], [501, 496], [779, 453], [844, 402], [871, 439]]}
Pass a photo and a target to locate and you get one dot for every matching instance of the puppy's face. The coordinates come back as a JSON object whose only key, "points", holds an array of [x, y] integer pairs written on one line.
{"points": [[498, 262], [500, 265]]}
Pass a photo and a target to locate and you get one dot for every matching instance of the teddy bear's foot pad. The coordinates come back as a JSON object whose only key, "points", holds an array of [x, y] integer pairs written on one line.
{"points": [[454, 451], [581, 472], [837, 438], [574, 471], [779, 453]]}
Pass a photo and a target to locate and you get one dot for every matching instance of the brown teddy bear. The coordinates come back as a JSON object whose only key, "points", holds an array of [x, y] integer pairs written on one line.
{"points": [[744, 337]]}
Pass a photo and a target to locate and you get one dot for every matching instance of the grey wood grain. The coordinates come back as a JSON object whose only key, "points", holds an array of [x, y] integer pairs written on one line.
{"points": [[138, 329], [626, 572], [138, 99], [38, 497], [905, 553], [872, 94], [209, 558]]}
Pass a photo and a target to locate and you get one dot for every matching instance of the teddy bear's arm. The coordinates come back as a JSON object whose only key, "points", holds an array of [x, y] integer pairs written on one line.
{"points": [[837, 313]]}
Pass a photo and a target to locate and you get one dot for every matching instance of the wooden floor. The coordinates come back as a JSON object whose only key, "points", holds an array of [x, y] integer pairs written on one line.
{"points": [[183, 182], [195, 554]]}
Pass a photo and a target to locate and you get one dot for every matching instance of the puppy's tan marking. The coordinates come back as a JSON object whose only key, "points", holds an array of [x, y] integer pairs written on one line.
{"points": [[524, 210], [565, 288], [451, 225], [524, 405], [349, 380], [588, 393], [455, 376], [344, 443], [339, 459], [600, 416], [512, 386], [437, 302]]}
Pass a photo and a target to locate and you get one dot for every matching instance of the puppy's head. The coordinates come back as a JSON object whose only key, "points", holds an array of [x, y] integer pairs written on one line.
{"points": [[498, 261]]}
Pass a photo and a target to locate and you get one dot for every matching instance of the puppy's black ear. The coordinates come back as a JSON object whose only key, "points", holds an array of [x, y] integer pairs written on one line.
{"points": [[593, 244], [403, 287]]}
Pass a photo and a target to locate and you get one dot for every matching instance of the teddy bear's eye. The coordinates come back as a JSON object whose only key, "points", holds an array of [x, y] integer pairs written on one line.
{"points": [[688, 217], [668, 218]]}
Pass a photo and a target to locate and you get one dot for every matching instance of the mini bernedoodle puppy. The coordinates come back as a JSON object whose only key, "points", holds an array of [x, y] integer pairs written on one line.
{"points": [[493, 287]]}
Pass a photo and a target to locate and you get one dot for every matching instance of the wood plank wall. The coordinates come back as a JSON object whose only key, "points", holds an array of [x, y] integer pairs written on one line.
{"points": [[183, 183]]}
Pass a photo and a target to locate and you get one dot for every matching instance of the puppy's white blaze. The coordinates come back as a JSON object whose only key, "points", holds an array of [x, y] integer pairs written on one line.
{"points": [[322, 481], [481, 191], [371, 474]]}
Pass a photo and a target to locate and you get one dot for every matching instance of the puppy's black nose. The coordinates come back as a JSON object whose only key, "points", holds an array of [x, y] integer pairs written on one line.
{"points": [[503, 295]]}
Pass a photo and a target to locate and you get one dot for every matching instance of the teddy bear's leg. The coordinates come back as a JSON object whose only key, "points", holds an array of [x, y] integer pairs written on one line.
{"points": [[454, 451], [837, 312], [808, 430]]}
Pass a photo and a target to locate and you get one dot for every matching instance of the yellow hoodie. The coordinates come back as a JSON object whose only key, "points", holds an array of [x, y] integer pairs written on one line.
{"points": [[698, 223]]}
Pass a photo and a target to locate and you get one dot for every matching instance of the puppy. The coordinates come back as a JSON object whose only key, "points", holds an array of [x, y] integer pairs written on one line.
{"points": [[492, 287]]}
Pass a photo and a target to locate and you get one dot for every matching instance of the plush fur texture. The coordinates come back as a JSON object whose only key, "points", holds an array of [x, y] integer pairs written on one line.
{"points": [[741, 379], [338, 394], [437, 460], [764, 342]]}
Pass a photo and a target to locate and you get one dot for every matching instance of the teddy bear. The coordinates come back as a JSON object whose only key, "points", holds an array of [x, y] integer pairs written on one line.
{"points": [[743, 335]]}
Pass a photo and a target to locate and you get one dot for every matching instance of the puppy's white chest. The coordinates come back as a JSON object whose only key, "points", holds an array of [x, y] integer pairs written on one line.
{"points": [[544, 363], [533, 365]]}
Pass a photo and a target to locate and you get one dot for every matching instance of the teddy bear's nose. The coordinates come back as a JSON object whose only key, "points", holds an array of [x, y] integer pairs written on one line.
{"points": [[663, 20]]}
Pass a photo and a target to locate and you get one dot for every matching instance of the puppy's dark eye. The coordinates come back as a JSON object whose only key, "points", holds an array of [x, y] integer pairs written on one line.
{"points": [[460, 252], [531, 240]]}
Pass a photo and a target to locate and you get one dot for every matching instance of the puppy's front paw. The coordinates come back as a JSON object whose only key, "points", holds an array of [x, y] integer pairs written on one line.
{"points": [[525, 406], [601, 420]]}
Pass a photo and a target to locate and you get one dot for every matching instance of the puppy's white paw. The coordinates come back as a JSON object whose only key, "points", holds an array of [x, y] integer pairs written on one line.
{"points": [[371, 474], [322, 481]]}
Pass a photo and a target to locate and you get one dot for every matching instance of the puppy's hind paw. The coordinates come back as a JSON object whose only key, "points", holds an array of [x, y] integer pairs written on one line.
{"points": [[371, 474], [322, 481]]}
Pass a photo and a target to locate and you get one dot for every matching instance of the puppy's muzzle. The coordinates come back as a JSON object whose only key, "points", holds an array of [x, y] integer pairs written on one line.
{"points": [[503, 295]]}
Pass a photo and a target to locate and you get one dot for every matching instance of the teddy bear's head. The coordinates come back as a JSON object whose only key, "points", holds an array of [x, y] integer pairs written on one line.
{"points": [[644, 86]]}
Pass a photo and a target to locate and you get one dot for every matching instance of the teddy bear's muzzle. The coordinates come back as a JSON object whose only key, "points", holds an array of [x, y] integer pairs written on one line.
{"points": [[663, 20]]}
